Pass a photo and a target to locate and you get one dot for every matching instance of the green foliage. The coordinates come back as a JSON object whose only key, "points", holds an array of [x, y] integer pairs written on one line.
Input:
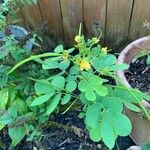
{"points": [[31, 93], [144, 53], [30, 2], [9, 10]]}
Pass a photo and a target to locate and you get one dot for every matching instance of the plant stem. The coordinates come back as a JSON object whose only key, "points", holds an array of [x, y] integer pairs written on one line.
{"points": [[80, 29], [34, 57], [69, 106], [138, 101]]}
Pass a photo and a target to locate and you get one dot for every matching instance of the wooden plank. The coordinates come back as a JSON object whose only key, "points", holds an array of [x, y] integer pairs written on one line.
{"points": [[72, 16], [140, 14], [32, 16], [117, 24], [21, 18], [94, 17], [50, 10]]}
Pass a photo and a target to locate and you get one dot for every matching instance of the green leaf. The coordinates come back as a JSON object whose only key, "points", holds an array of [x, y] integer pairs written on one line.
{"points": [[21, 106], [128, 94], [66, 99], [109, 60], [145, 146], [71, 86], [71, 78], [50, 63], [6, 119], [83, 85], [2, 126], [3, 53], [93, 115], [118, 67], [112, 104], [132, 106], [53, 104], [95, 134], [64, 64], [107, 132], [104, 62], [84, 99], [70, 50], [121, 124], [90, 94], [74, 70], [43, 87], [41, 99], [16, 134], [59, 49], [81, 115], [59, 82], [100, 90], [3, 98], [148, 60], [95, 80]]}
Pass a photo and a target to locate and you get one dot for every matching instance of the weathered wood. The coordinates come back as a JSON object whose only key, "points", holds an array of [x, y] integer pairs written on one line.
{"points": [[140, 14], [21, 18], [50, 10], [94, 17], [72, 16], [32, 15], [117, 24], [115, 18]]}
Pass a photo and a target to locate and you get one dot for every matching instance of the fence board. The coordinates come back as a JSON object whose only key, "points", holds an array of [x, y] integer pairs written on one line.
{"points": [[21, 18], [117, 24], [72, 16], [32, 16], [94, 17], [119, 20], [52, 15], [140, 14]]}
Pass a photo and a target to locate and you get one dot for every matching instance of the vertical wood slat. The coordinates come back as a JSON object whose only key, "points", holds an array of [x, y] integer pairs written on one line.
{"points": [[117, 24], [50, 10], [94, 17], [72, 15], [32, 15], [66, 15], [140, 14], [20, 16]]}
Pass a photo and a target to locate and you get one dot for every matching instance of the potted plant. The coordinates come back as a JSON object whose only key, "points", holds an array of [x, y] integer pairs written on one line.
{"points": [[141, 126], [82, 75]]}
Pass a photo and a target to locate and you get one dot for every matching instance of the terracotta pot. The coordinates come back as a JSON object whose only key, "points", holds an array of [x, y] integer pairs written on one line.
{"points": [[141, 127]]}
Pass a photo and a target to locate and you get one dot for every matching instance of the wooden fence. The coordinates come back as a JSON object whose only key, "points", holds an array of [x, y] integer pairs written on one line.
{"points": [[119, 20]]}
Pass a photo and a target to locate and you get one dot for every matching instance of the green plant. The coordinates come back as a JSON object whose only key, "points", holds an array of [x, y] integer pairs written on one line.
{"points": [[80, 75], [144, 53], [9, 11]]}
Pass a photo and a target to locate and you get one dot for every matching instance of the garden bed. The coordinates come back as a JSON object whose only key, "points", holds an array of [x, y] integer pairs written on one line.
{"points": [[65, 132]]}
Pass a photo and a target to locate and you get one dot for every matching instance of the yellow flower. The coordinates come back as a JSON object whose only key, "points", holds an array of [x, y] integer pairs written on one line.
{"points": [[65, 55], [104, 49], [78, 38], [84, 65], [95, 40]]}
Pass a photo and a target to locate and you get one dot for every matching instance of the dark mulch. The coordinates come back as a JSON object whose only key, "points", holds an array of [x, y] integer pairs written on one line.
{"points": [[67, 134], [139, 74]]}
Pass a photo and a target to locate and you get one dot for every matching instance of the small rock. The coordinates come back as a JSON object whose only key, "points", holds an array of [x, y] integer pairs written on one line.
{"points": [[99, 146], [77, 131], [134, 148], [35, 148]]}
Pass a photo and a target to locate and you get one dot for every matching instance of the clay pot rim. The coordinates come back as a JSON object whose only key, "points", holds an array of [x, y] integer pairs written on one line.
{"points": [[121, 59]]}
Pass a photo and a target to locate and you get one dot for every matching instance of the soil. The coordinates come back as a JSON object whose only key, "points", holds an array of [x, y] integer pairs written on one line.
{"points": [[139, 74], [65, 132]]}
